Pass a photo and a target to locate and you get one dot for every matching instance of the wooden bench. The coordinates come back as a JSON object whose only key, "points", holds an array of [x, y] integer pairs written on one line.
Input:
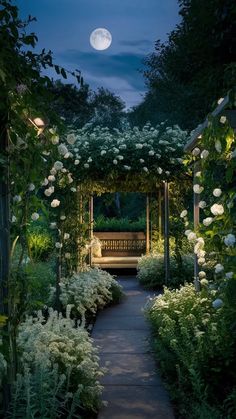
{"points": [[120, 249]]}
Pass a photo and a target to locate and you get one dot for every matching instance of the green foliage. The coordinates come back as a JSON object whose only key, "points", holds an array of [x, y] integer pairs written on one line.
{"points": [[39, 242], [196, 348], [119, 224], [151, 271]]}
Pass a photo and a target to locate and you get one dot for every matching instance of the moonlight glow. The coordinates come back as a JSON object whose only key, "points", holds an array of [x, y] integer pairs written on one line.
{"points": [[100, 39]]}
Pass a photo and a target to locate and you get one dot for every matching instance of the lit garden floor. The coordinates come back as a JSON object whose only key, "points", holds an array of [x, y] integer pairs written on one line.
{"points": [[132, 385]]}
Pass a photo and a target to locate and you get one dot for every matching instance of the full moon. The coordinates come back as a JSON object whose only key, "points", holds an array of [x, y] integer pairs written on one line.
{"points": [[100, 39]]}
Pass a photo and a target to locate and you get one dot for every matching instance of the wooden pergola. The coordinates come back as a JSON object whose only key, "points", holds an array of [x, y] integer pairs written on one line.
{"points": [[222, 108]]}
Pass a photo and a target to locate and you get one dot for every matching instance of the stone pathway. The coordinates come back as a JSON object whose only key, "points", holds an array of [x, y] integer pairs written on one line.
{"points": [[132, 386]]}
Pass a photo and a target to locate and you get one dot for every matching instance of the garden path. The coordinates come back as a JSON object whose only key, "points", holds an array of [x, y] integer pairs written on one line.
{"points": [[132, 385]]}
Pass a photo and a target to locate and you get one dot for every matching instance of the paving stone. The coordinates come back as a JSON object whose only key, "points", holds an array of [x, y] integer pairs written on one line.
{"points": [[122, 341], [121, 323], [129, 369], [136, 402]]}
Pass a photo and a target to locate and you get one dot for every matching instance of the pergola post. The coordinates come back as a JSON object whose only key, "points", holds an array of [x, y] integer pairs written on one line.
{"points": [[80, 220], [159, 214], [91, 221], [196, 200], [166, 233], [147, 225]]}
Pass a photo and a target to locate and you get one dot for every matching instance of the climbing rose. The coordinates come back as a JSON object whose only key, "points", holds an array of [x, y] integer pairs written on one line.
{"points": [[202, 274], [223, 119], [196, 151], [62, 149], [192, 236], [66, 236], [139, 146], [219, 268], [120, 157], [204, 154], [207, 221], [187, 232], [230, 240], [202, 204], [197, 188], [35, 216], [115, 161], [58, 245], [51, 178], [217, 192], [141, 160], [58, 165], [159, 170], [55, 203], [217, 303], [31, 187], [151, 153], [183, 213], [217, 209], [76, 162], [71, 139]]}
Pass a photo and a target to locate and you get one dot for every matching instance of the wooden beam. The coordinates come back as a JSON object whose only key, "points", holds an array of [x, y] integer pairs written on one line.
{"points": [[166, 233], [91, 222], [147, 225], [159, 214]]}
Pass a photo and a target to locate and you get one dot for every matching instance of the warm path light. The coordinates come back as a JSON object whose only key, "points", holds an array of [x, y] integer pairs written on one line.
{"points": [[100, 39]]}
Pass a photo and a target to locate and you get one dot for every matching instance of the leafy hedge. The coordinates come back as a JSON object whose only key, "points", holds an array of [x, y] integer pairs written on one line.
{"points": [[119, 224]]}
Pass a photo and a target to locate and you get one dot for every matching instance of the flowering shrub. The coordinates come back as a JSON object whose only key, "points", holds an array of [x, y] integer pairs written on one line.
{"points": [[89, 291], [196, 348], [58, 348], [151, 271]]}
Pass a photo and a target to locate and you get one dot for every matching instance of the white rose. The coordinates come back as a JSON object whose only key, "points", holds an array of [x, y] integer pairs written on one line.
{"points": [[223, 119], [202, 274], [204, 154], [183, 213], [192, 236], [31, 187], [229, 275], [139, 146], [217, 209], [202, 204], [51, 178], [201, 261], [115, 161], [76, 162], [159, 170], [73, 189], [230, 240], [58, 165], [66, 236], [127, 167], [67, 255], [198, 174], [71, 139], [35, 216], [207, 221], [62, 149], [197, 188], [120, 157], [187, 232], [218, 146], [145, 169], [55, 203], [17, 198], [58, 245], [196, 151], [86, 165], [103, 152], [53, 171], [62, 217], [45, 182], [219, 268], [141, 161], [13, 219], [151, 153], [217, 192]]}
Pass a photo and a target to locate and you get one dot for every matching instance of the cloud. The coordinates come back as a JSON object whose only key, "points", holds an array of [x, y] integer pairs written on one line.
{"points": [[137, 43]]}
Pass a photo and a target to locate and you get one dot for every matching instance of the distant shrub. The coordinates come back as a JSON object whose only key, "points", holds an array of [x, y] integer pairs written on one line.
{"points": [[40, 276], [151, 271]]}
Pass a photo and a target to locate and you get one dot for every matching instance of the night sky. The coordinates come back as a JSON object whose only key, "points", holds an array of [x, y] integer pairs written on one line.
{"points": [[64, 26]]}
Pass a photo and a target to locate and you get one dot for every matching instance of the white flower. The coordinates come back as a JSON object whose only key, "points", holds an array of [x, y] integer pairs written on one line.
{"points": [[62, 217], [120, 157], [167, 172], [218, 146], [217, 192], [53, 226], [192, 236], [68, 155], [145, 169], [127, 167], [219, 268], [58, 245], [201, 261], [13, 219], [202, 204], [141, 161], [66, 236], [203, 282], [183, 213], [223, 119], [71, 139], [217, 303], [31, 187], [17, 198], [55, 203], [197, 188], [229, 275], [159, 170], [115, 161], [53, 171], [202, 274], [198, 174], [86, 165], [90, 160], [55, 139], [70, 179], [103, 152], [67, 255], [35, 216], [51, 178], [139, 146], [73, 189], [187, 232], [230, 240], [207, 221], [196, 151], [45, 182], [151, 153], [76, 162], [217, 209], [58, 165], [49, 191], [204, 154], [62, 149]]}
